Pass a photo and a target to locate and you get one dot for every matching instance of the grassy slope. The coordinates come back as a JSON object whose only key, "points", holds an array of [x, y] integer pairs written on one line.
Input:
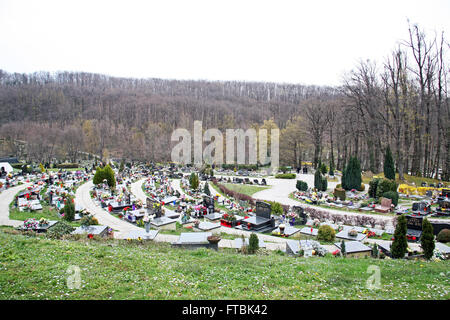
{"points": [[245, 189], [34, 268]]}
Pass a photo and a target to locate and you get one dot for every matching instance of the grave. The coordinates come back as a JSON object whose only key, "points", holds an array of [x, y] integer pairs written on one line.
{"points": [[213, 216], [195, 240], [355, 249], [164, 223], [288, 231], [293, 247], [101, 231], [41, 228], [153, 207], [238, 243], [310, 232], [302, 217], [346, 236], [136, 234], [208, 226], [261, 221], [443, 248]]}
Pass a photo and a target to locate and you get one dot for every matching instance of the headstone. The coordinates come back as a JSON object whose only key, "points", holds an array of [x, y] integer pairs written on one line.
{"points": [[263, 209]]}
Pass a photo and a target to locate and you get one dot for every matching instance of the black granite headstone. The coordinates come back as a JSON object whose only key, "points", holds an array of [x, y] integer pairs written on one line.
{"points": [[263, 209]]}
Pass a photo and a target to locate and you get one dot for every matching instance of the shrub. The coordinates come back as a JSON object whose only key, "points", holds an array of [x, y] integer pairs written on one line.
{"points": [[67, 166], [373, 184], [339, 186], [400, 244], [193, 181], [89, 221], [385, 185], [284, 169], [343, 250], [206, 189], [320, 183], [339, 193], [276, 208], [253, 243], [391, 195], [301, 185], [443, 236], [59, 230], [326, 233], [69, 209], [427, 239], [285, 176]]}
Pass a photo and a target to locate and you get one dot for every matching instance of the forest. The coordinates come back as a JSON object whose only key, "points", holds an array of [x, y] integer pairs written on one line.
{"points": [[401, 102]]}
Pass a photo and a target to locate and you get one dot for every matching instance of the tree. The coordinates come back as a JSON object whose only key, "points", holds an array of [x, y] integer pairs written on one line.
{"points": [[253, 243], [110, 176], [351, 178], [320, 183], [427, 239], [193, 181], [343, 250], [206, 189], [389, 170], [69, 209], [99, 176], [400, 245]]}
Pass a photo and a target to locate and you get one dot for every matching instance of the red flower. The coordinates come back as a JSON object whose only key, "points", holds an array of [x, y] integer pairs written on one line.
{"points": [[90, 236]]}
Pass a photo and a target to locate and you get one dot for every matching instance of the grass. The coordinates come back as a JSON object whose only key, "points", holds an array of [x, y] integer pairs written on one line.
{"points": [[65, 169], [37, 268], [245, 188]]}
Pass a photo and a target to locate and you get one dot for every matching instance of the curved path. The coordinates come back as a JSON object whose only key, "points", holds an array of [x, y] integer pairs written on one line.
{"points": [[6, 197], [121, 228]]}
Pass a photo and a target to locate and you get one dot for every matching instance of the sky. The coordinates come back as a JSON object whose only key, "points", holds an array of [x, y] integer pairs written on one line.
{"points": [[301, 42]]}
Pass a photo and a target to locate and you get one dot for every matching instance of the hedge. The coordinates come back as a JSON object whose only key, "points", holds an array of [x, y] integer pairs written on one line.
{"points": [[286, 176]]}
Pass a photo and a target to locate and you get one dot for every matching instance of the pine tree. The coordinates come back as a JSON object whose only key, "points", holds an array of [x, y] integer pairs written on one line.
{"points": [[427, 239], [331, 172], [400, 245], [351, 177], [389, 169], [193, 181]]}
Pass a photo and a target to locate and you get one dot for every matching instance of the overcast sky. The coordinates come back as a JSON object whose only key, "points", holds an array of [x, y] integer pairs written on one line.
{"points": [[308, 42]]}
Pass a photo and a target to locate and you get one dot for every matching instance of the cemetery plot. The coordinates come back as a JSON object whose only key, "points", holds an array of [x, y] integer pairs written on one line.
{"points": [[195, 240], [142, 234], [101, 231], [355, 249]]}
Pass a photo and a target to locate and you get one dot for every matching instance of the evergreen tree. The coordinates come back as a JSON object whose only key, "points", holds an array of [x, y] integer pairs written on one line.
{"points": [[109, 176], [343, 250], [206, 189], [400, 245], [389, 169], [69, 209], [331, 172], [253, 243], [193, 181], [351, 178], [99, 176], [427, 239], [122, 166]]}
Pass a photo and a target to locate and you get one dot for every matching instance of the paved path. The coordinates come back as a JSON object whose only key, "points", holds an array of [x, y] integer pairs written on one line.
{"points": [[6, 197], [121, 228]]}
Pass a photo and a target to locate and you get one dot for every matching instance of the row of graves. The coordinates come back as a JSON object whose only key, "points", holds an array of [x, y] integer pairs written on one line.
{"points": [[354, 201]]}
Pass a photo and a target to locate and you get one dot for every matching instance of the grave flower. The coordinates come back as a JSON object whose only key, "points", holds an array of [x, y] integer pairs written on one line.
{"points": [[90, 236]]}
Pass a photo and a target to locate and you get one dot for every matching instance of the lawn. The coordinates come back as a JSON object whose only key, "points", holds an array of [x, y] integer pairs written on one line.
{"points": [[245, 188], [37, 268]]}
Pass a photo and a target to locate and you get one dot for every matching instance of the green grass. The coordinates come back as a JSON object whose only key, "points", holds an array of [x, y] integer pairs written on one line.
{"points": [[36, 268], [65, 169], [47, 212], [245, 188]]}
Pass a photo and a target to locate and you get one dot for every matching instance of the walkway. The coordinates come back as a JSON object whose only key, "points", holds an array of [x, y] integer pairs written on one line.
{"points": [[6, 197]]}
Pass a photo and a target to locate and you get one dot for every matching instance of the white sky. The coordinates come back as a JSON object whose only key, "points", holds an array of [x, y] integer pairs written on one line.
{"points": [[308, 42]]}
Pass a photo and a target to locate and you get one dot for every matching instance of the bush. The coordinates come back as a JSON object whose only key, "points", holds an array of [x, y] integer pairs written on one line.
{"points": [[385, 185], [373, 184], [193, 181], [301, 185], [276, 208], [400, 244], [69, 209], [320, 183], [88, 221], [284, 169], [59, 230], [285, 176], [391, 195], [326, 233], [339, 193], [443, 236], [253, 243], [427, 239]]}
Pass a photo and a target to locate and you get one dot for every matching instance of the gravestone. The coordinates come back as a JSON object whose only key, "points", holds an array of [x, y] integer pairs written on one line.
{"points": [[301, 214], [263, 209], [208, 202]]}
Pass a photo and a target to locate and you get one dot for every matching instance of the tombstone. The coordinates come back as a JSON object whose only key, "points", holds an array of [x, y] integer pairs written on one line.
{"points": [[305, 170], [263, 209], [208, 202], [263, 182]]}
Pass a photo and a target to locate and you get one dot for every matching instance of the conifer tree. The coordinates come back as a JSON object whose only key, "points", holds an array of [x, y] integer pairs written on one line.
{"points": [[400, 245], [427, 239], [389, 169]]}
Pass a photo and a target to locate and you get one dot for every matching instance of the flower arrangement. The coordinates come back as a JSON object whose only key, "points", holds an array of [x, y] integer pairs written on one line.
{"points": [[353, 233], [43, 222], [230, 217], [30, 224], [90, 236]]}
